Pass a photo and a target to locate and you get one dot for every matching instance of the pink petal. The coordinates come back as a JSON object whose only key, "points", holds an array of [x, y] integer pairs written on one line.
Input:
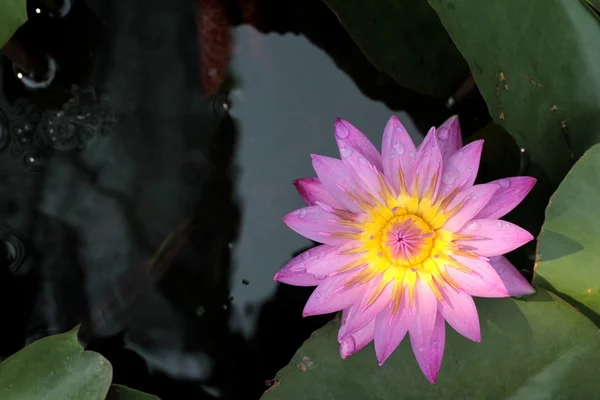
{"points": [[475, 197], [295, 274], [398, 152], [510, 193], [430, 352], [337, 179], [497, 237], [325, 260], [427, 164], [364, 173], [331, 295], [355, 342], [316, 224], [363, 313], [460, 170], [484, 281], [390, 329], [460, 312], [424, 311], [312, 190], [346, 135], [515, 283], [449, 137]]}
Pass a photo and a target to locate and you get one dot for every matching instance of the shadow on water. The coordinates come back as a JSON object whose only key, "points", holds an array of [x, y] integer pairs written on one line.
{"points": [[122, 209]]}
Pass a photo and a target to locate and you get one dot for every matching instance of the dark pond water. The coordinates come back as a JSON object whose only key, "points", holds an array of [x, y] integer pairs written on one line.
{"points": [[150, 213]]}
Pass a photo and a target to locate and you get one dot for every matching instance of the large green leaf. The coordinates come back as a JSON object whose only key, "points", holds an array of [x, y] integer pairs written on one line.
{"points": [[119, 392], [55, 367], [13, 14], [536, 348], [406, 40], [595, 4], [537, 64], [568, 254]]}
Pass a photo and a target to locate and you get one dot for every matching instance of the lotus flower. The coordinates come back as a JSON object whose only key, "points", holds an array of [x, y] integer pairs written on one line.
{"points": [[407, 240]]}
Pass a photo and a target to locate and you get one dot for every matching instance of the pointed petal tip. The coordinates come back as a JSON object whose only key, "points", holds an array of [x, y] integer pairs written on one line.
{"points": [[276, 277]]}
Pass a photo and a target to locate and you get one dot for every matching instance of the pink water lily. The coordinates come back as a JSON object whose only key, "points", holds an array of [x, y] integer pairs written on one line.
{"points": [[407, 240]]}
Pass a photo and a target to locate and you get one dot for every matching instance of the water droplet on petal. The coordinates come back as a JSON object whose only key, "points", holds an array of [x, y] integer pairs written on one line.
{"points": [[365, 143], [341, 131], [362, 161], [494, 259], [306, 255], [474, 226], [412, 154], [302, 213], [504, 183], [399, 147], [345, 152], [318, 295], [443, 134], [500, 270], [449, 177]]}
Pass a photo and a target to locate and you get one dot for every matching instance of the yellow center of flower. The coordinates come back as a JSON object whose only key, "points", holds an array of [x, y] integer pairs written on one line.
{"points": [[401, 236]]}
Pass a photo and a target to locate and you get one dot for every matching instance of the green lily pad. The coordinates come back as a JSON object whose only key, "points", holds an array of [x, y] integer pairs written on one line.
{"points": [[537, 65], [55, 367], [406, 40], [120, 392], [13, 14], [535, 348], [595, 4], [568, 253]]}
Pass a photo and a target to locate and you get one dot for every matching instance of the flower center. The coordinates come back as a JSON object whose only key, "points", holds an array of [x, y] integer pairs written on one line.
{"points": [[407, 240]]}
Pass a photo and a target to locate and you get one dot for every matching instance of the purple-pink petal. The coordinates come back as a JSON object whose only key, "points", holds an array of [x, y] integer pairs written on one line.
{"points": [[312, 190], [449, 137], [353, 343], [363, 313], [364, 173], [316, 224], [483, 281], [428, 163], [390, 329], [337, 180], [425, 306], [475, 198], [515, 283], [511, 191], [461, 168], [398, 152], [429, 352], [325, 260], [348, 136], [332, 295], [458, 309], [296, 275], [495, 237]]}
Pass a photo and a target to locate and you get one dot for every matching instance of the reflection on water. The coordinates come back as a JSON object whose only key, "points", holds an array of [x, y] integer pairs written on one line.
{"points": [[290, 94], [152, 215]]}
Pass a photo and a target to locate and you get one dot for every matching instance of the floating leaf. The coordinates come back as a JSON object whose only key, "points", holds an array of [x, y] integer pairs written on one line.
{"points": [[535, 348], [13, 14], [55, 367], [405, 40], [537, 65], [568, 257], [119, 392]]}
